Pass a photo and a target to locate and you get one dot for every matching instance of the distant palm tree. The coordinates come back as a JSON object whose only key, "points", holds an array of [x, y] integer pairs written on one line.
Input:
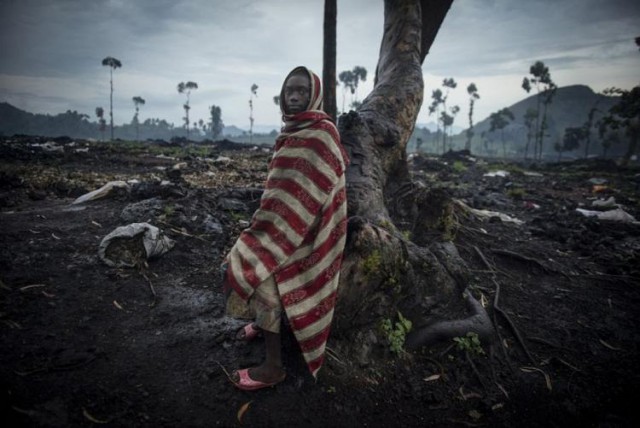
{"points": [[472, 90], [137, 101], [113, 63], [186, 88], [254, 91], [101, 121], [499, 120]]}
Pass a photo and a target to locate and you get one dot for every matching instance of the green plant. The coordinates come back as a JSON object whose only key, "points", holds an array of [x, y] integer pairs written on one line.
{"points": [[169, 210], [459, 167], [396, 333], [516, 192], [470, 343], [371, 264]]}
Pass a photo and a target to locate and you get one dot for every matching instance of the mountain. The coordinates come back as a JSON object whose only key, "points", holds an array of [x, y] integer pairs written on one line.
{"points": [[433, 127], [569, 108]]}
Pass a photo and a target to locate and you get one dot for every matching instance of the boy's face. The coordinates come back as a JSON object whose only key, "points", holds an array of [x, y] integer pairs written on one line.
{"points": [[296, 94]]}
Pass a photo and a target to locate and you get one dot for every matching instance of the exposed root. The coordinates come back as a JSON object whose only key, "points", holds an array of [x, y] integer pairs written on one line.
{"points": [[511, 324], [478, 323]]}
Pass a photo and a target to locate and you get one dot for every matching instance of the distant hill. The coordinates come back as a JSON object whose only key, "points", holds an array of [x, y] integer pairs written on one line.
{"points": [[570, 108], [76, 125]]}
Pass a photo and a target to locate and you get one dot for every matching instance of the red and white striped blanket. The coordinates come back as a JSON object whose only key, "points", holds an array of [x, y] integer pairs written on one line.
{"points": [[298, 233]]}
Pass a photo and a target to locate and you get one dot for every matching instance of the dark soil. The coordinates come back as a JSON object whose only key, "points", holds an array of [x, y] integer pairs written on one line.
{"points": [[86, 344]]}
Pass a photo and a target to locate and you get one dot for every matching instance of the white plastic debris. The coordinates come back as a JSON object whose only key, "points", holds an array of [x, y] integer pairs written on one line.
{"points": [[119, 247], [222, 159], [101, 192], [180, 165], [532, 174], [614, 215], [605, 203], [499, 173], [49, 146], [486, 214]]}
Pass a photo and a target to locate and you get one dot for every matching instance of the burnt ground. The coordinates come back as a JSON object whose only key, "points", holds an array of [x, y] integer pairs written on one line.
{"points": [[86, 344]]}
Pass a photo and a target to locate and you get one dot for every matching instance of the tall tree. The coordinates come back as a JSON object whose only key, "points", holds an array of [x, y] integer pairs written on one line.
{"points": [[137, 102], [545, 88], [529, 119], [359, 75], [347, 78], [112, 63], [405, 274], [446, 118], [101, 121], [216, 125], [472, 90], [571, 140], [350, 80], [625, 114], [186, 88], [329, 58], [498, 121], [588, 126], [254, 91], [434, 108]]}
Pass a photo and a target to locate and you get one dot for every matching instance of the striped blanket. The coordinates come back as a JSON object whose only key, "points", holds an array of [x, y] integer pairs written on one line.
{"points": [[298, 233]]}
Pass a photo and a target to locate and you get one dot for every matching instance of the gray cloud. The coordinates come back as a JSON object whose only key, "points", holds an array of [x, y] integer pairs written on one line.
{"points": [[52, 50]]}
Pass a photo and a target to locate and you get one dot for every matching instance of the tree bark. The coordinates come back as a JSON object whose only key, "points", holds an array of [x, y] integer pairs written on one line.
{"points": [[376, 135], [329, 58], [383, 272]]}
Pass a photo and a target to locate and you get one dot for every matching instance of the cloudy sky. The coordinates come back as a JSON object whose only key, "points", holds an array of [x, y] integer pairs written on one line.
{"points": [[51, 51]]}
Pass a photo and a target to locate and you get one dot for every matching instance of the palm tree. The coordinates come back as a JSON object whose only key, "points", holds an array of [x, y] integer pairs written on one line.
{"points": [[447, 120], [101, 121], [347, 78], [254, 91], [216, 126], [112, 63], [137, 101], [546, 89], [472, 90], [186, 88], [499, 121], [359, 74]]}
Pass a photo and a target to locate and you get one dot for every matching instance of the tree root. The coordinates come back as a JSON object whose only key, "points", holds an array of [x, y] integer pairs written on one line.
{"points": [[516, 332], [478, 323]]}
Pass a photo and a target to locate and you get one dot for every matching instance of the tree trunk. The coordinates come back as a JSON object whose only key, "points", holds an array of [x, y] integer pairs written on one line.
{"points": [[329, 58], [383, 273], [633, 131]]}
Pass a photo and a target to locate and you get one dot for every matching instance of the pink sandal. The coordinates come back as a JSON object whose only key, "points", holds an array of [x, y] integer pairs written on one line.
{"points": [[247, 384], [250, 332]]}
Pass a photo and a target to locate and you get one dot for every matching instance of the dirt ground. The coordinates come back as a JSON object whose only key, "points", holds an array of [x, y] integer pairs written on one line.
{"points": [[86, 344]]}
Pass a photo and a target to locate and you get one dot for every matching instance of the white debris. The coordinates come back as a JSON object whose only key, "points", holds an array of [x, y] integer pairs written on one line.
{"points": [[222, 159], [101, 192], [605, 203], [614, 215], [154, 242], [532, 174], [499, 173], [49, 146], [486, 214], [180, 165]]}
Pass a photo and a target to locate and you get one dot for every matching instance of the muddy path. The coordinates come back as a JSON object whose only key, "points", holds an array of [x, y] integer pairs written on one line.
{"points": [[85, 344]]}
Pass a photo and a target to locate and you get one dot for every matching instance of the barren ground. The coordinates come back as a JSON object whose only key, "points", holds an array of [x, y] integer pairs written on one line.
{"points": [[86, 344]]}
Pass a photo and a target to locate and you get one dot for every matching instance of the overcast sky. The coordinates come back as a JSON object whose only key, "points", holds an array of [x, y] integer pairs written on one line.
{"points": [[51, 51]]}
